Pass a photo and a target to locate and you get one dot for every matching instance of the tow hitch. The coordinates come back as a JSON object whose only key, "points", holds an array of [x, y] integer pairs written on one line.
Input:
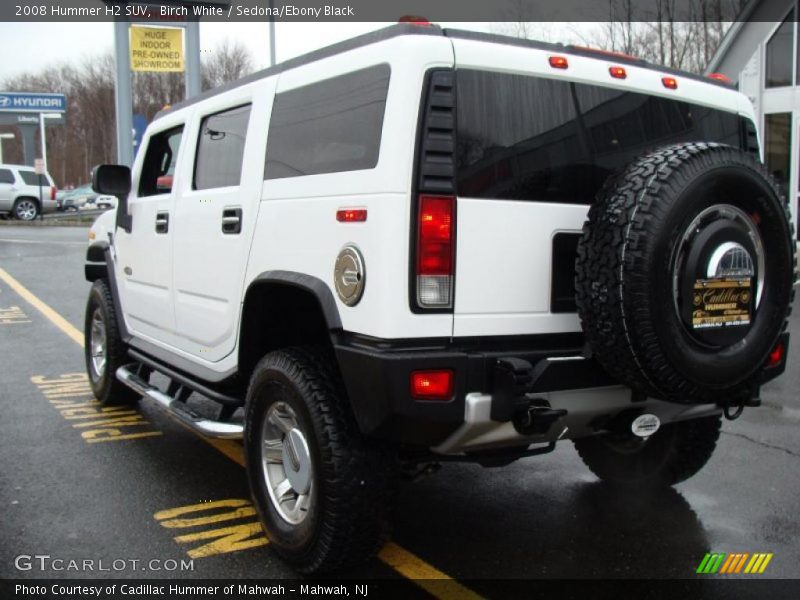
{"points": [[513, 381]]}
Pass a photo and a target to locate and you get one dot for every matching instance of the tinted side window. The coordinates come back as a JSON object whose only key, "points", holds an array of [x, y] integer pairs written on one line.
{"points": [[6, 176], [334, 125], [531, 138], [31, 178], [159, 162], [779, 55], [220, 148]]}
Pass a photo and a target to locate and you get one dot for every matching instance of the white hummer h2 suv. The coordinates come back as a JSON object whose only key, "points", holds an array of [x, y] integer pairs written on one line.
{"points": [[426, 245]]}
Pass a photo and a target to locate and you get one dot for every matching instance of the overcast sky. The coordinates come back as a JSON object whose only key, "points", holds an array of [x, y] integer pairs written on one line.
{"points": [[35, 46]]}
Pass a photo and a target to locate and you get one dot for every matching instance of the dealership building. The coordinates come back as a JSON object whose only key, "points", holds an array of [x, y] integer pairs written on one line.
{"points": [[761, 54]]}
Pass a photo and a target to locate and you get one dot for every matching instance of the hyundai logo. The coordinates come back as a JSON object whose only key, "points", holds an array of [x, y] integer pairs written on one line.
{"points": [[5, 101]]}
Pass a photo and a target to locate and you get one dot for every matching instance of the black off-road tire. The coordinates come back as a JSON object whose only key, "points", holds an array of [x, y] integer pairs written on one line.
{"points": [[105, 385], [624, 286], [354, 478], [672, 454]]}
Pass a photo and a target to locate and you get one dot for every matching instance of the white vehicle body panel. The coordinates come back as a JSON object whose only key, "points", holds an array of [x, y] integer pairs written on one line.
{"points": [[208, 265], [144, 257], [504, 251], [308, 204], [183, 292]]}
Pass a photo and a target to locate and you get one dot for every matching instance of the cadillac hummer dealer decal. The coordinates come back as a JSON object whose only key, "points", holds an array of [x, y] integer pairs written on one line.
{"points": [[721, 303]]}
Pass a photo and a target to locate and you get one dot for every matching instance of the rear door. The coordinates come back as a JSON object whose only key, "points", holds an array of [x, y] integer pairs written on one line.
{"points": [[515, 144], [215, 216], [535, 143]]}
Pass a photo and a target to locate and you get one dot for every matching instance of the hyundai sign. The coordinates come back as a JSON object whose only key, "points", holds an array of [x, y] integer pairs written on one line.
{"points": [[35, 103]]}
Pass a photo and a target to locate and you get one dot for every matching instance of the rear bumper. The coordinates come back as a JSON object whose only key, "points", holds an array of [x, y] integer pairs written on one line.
{"points": [[377, 377]]}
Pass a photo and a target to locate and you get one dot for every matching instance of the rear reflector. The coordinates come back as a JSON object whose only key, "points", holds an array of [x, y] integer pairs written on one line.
{"points": [[670, 83], [558, 62], [776, 356], [435, 246], [432, 385], [617, 72], [351, 215]]}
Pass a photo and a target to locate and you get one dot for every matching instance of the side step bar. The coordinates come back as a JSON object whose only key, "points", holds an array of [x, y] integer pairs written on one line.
{"points": [[207, 427]]}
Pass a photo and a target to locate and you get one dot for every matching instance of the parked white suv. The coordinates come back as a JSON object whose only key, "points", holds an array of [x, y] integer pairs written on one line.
{"points": [[426, 245], [20, 193]]}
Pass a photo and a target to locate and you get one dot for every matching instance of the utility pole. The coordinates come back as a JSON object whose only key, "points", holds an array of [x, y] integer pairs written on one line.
{"points": [[271, 34]]}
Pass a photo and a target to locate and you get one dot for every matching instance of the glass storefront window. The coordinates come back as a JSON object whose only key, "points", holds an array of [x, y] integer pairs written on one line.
{"points": [[777, 146], [779, 55]]}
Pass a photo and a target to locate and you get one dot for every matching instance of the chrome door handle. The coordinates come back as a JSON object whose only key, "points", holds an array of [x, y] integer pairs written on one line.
{"points": [[231, 220], [162, 222]]}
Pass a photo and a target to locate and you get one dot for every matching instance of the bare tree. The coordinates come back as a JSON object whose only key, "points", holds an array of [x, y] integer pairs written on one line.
{"points": [[682, 35], [88, 136], [229, 61]]}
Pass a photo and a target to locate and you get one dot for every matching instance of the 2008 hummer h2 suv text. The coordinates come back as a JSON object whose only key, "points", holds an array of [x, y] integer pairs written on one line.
{"points": [[424, 245]]}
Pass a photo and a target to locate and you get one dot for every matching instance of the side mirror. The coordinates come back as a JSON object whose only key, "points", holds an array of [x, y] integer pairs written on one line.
{"points": [[115, 180]]}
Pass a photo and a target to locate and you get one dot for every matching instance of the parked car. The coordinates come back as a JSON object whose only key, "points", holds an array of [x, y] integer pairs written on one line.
{"points": [[24, 194], [591, 251], [85, 197]]}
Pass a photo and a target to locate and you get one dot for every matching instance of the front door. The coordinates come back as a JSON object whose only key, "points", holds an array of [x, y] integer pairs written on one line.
{"points": [[144, 256]]}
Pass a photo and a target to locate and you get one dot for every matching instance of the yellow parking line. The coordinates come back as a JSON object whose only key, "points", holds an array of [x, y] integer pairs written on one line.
{"points": [[410, 566], [55, 318]]}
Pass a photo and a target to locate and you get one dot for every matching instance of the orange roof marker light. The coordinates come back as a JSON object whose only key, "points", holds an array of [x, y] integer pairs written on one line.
{"points": [[617, 72], [415, 20], [670, 83], [720, 77], [558, 62]]}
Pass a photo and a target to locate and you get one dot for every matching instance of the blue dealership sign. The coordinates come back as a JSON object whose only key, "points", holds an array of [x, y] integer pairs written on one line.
{"points": [[35, 103]]}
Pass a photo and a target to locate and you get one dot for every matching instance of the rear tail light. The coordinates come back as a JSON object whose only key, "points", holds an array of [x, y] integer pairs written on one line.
{"points": [[558, 62], [52, 192], [435, 246], [432, 385]]}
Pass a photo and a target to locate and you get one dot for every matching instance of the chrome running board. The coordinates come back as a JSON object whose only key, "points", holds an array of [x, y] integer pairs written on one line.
{"points": [[207, 427]]}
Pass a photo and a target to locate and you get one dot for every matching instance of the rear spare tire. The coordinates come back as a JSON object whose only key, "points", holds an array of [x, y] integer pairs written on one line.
{"points": [[684, 273]]}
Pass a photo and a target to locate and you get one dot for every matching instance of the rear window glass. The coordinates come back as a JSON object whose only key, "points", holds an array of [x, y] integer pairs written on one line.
{"points": [[334, 125], [31, 178], [531, 138], [6, 176], [220, 149]]}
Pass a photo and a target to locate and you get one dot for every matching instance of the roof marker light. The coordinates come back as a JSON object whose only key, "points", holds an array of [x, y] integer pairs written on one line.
{"points": [[617, 72], [670, 83], [558, 62], [415, 20], [720, 77]]}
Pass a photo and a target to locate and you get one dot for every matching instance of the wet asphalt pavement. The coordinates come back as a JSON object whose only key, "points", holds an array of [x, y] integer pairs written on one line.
{"points": [[160, 492]]}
